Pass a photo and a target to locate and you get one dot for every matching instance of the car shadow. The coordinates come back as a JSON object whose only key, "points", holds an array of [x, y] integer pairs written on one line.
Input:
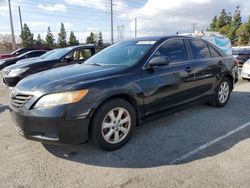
{"points": [[162, 141], [3, 108]]}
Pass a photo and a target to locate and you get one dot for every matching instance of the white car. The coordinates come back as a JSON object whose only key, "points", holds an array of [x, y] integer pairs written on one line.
{"points": [[245, 72]]}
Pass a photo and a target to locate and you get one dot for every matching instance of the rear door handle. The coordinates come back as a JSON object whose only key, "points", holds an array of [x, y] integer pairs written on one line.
{"points": [[188, 69]]}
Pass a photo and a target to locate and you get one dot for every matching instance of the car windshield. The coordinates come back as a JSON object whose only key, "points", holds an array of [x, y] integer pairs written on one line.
{"points": [[44, 56], [126, 53], [60, 53]]}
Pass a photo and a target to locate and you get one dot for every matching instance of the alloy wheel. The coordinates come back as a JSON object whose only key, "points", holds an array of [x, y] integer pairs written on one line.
{"points": [[116, 125], [223, 92]]}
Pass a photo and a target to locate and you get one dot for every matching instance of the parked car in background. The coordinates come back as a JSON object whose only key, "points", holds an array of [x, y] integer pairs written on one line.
{"points": [[20, 51], [10, 61], [245, 72], [125, 84], [35, 58], [241, 54], [61, 57]]}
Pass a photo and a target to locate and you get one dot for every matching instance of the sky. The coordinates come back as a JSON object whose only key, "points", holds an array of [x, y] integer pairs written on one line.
{"points": [[154, 17]]}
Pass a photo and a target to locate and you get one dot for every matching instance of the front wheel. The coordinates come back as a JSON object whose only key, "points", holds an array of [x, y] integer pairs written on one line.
{"points": [[222, 93], [113, 124]]}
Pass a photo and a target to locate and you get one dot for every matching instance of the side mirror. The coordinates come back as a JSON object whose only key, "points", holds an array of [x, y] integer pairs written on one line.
{"points": [[159, 61], [68, 58]]}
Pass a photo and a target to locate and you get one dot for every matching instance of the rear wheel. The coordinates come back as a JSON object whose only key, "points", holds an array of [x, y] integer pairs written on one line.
{"points": [[222, 94], [113, 124]]}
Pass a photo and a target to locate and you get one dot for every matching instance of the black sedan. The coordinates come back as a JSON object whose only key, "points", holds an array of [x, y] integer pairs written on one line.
{"points": [[58, 58], [10, 61], [118, 88]]}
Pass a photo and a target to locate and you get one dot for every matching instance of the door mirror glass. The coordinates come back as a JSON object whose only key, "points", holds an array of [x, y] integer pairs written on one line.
{"points": [[159, 61]]}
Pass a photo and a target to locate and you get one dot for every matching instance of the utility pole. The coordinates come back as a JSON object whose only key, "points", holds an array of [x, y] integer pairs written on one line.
{"points": [[120, 32], [194, 24], [20, 17], [112, 28], [136, 27], [12, 28]]}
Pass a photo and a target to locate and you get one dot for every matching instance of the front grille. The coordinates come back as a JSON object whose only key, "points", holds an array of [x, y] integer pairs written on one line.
{"points": [[19, 100]]}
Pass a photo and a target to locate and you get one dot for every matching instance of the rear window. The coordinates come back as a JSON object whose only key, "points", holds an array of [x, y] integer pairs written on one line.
{"points": [[199, 49]]}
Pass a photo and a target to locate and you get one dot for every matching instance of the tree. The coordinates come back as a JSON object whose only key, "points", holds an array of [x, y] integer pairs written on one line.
{"points": [[235, 24], [91, 39], [243, 33], [72, 39], [39, 41], [225, 30], [100, 40], [229, 18], [213, 24], [222, 20], [26, 36], [49, 38], [62, 37]]}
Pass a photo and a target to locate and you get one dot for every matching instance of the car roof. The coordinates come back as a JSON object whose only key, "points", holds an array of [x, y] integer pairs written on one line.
{"points": [[160, 38], [84, 45]]}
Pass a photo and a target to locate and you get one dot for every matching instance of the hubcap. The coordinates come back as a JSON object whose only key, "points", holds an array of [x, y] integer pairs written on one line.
{"points": [[116, 125], [223, 92]]}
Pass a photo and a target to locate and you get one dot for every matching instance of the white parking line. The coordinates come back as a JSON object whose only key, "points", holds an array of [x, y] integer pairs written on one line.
{"points": [[197, 150]]}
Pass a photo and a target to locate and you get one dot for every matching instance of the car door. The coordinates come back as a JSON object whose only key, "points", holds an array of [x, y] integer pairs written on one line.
{"points": [[207, 65], [170, 85]]}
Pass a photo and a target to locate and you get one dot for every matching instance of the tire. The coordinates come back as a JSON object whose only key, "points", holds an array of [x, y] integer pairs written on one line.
{"points": [[217, 100], [110, 132]]}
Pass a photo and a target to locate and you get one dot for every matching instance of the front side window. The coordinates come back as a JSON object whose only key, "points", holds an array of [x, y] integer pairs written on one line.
{"points": [[174, 49], [80, 54], [199, 49]]}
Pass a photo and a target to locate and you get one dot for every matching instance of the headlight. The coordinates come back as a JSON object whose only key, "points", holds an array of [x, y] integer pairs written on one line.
{"points": [[17, 71], [60, 98]]}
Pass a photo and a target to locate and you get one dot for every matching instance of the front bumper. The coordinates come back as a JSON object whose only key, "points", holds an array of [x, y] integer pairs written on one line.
{"points": [[56, 129]]}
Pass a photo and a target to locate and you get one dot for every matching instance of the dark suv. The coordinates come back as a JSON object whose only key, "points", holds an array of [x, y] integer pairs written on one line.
{"points": [[116, 89], [58, 58]]}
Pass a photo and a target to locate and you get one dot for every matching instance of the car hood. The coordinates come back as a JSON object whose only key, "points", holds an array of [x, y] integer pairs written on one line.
{"points": [[28, 62], [67, 78]]}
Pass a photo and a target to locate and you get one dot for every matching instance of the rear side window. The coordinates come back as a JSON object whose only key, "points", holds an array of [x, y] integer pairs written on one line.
{"points": [[214, 52], [34, 54], [174, 49], [199, 49]]}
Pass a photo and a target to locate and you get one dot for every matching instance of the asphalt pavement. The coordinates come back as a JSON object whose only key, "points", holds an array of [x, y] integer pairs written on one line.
{"points": [[201, 146]]}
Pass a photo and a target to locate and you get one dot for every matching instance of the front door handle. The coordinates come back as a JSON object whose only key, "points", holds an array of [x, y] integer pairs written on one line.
{"points": [[188, 69]]}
